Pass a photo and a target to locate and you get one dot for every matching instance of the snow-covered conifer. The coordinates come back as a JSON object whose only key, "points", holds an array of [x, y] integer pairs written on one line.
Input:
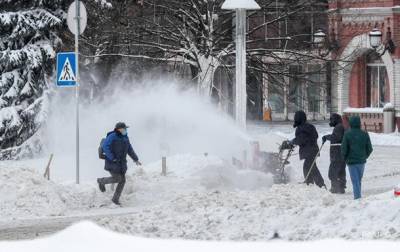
{"points": [[28, 43]]}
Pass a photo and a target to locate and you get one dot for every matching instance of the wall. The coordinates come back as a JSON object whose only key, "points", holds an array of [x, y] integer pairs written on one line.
{"points": [[357, 84], [341, 4]]}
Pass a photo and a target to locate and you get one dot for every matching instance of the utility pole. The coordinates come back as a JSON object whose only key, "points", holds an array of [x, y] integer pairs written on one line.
{"points": [[241, 78]]}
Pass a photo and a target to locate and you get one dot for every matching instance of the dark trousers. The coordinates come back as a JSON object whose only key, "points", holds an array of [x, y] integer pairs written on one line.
{"points": [[315, 176], [115, 178], [337, 175]]}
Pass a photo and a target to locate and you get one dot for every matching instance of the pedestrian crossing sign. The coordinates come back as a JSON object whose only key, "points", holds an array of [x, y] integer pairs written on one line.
{"points": [[66, 69]]}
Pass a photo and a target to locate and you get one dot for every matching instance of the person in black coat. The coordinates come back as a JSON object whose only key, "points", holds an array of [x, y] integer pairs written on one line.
{"points": [[306, 138], [337, 167], [116, 147]]}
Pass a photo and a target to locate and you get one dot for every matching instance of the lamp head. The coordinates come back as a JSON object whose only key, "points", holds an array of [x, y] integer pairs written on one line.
{"points": [[375, 38], [240, 4]]}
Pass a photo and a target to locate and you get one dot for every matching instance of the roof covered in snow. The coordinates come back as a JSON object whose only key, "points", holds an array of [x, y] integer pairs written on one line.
{"points": [[364, 110]]}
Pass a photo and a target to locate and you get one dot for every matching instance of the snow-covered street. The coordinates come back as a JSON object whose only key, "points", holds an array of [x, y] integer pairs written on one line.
{"points": [[205, 197]]}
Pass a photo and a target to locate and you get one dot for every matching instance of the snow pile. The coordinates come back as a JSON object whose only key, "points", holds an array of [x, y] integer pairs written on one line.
{"points": [[26, 194], [212, 172], [86, 236], [388, 106], [296, 212], [188, 174]]}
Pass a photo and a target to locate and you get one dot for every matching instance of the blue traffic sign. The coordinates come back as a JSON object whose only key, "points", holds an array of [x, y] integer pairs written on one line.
{"points": [[66, 69]]}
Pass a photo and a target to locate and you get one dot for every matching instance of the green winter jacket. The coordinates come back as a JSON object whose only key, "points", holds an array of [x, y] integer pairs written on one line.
{"points": [[356, 144]]}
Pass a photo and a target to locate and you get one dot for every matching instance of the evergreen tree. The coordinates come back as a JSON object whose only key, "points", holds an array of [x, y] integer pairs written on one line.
{"points": [[28, 44]]}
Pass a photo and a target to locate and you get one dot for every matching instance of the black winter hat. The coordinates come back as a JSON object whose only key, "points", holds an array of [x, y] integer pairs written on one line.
{"points": [[121, 125]]}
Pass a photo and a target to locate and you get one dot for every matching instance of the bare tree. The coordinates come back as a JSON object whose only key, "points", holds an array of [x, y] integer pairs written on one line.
{"points": [[198, 34]]}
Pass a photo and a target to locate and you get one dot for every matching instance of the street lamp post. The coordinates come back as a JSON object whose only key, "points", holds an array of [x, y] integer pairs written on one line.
{"points": [[240, 6]]}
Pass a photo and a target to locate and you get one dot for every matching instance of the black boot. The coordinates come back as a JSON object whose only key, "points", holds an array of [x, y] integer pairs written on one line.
{"points": [[102, 187], [334, 187], [342, 186], [341, 190], [116, 202]]}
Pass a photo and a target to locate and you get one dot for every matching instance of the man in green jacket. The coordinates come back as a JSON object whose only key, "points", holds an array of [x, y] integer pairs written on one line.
{"points": [[356, 148]]}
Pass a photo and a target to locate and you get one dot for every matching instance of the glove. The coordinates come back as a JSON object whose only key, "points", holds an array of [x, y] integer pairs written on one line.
{"points": [[324, 138], [138, 163], [115, 160], [287, 145]]}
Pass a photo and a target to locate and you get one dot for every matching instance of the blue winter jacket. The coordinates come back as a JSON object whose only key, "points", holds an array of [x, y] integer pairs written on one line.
{"points": [[116, 147]]}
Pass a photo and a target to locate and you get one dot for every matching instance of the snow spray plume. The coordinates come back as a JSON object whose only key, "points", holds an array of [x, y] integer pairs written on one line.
{"points": [[163, 120]]}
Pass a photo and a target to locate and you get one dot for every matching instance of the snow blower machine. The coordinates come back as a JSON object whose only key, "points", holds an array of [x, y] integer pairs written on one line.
{"points": [[276, 163]]}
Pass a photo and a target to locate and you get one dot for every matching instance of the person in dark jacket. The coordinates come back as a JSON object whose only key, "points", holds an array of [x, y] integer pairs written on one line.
{"points": [[356, 149], [337, 167], [116, 147], [306, 138]]}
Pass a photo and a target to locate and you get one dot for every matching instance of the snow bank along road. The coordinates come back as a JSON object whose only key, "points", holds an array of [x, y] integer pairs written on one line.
{"points": [[206, 198], [86, 236]]}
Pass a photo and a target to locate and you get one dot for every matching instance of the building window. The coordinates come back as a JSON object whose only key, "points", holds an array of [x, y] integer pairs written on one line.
{"points": [[314, 93], [276, 85], [296, 92], [377, 86], [296, 88]]}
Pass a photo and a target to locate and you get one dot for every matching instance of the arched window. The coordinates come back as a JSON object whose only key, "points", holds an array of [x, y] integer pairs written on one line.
{"points": [[377, 86]]}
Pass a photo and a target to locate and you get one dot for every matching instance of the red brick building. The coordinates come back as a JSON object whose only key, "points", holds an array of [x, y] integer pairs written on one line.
{"points": [[365, 77]]}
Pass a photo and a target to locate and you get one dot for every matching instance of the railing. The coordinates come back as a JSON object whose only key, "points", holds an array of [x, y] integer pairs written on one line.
{"points": [[371, 119]]}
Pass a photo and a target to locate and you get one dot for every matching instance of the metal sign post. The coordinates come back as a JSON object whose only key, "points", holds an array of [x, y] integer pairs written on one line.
{"points": [[77, 20]]}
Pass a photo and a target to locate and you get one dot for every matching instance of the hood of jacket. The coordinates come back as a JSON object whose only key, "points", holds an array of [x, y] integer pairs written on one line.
{"points": [[335, 120], [300, 118], [355, 122]]}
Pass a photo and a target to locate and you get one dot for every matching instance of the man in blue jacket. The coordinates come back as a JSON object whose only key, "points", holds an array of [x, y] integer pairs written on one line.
{"points": [[116, 147]]}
